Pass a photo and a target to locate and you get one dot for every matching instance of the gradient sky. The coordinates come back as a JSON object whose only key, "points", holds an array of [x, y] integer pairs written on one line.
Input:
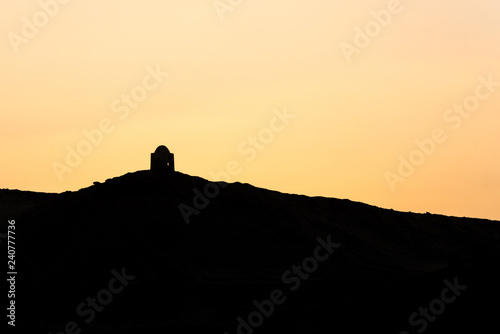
{"points": [[227, 78]]}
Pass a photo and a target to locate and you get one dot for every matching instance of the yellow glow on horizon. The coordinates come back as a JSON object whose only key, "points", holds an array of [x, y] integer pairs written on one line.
{"points": [[227, 77]]}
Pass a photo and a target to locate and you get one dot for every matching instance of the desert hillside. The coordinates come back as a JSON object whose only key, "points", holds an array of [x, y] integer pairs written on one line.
{"points": [[181, 262]]}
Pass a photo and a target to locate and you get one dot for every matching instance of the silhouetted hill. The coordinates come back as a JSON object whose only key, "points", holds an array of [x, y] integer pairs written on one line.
{"points": [[202, 276]]}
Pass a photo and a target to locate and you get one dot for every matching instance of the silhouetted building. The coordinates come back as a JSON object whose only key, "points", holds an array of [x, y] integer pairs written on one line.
{"points": [[162, 160]]}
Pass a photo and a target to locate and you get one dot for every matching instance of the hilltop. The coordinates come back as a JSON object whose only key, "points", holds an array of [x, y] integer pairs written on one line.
{"points": [[200, 272]]}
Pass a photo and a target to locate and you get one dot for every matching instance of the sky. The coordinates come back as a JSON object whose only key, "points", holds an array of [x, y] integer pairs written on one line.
{"points": [[391, 103]]}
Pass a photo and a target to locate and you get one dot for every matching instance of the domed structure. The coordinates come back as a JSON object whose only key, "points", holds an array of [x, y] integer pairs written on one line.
{"points": [[162, 160]]}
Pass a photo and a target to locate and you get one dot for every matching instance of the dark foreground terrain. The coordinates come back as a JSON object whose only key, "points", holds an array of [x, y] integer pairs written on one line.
{"points": [[119, 257]]}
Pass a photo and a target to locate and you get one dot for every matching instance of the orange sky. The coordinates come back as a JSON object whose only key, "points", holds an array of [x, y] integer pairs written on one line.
{"points": [[312, 97]]}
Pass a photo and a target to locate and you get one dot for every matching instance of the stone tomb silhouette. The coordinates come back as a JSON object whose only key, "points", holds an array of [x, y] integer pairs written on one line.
{"points": [[162, 160]]}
